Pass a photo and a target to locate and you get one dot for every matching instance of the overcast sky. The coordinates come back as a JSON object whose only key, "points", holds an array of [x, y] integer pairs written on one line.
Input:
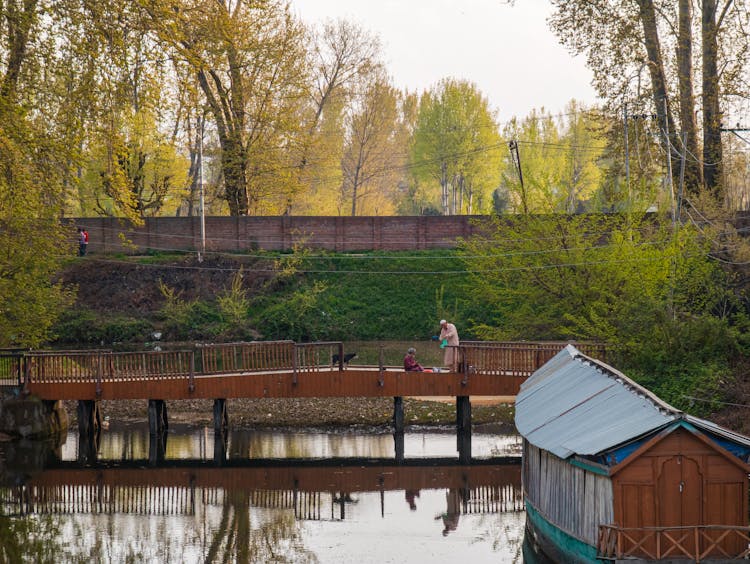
{"points": [[507, 51]]}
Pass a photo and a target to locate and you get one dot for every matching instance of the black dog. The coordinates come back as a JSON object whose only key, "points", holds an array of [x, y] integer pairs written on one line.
{"points": [[347, 358]]}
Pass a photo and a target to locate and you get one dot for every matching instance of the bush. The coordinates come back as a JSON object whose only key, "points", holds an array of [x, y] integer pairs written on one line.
{"points": [[90, 328]]}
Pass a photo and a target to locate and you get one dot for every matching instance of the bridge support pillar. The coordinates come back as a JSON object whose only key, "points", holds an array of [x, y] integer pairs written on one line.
{"points": [[89, 417], [463, 413], [398, 443], [221, 417], [157, 447], [398, 414], [157, 416], [463, 428]]}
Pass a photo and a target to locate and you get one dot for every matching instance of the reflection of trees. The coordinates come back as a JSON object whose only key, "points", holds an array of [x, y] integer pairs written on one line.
{"points": [[33, 539], [504, 531], [277, 539]]}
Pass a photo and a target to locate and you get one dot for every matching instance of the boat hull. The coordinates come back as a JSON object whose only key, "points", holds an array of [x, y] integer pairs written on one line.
{"points": [[554, 543]]}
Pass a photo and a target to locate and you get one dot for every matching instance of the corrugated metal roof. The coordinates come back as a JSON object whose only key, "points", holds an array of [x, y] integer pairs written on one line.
{"points": [[576, 405]]}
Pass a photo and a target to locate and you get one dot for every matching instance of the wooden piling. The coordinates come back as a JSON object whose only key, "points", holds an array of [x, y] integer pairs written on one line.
{"points": [[157, 416], [221, 417], [398, 414], [89, 417]]}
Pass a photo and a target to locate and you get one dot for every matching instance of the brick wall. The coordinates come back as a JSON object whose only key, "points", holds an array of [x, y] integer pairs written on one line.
{"points": [[277, 233], [280, 233]]}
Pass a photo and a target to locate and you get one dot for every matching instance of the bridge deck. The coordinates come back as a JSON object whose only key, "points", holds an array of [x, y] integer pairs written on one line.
{"points": [[351, 382]]}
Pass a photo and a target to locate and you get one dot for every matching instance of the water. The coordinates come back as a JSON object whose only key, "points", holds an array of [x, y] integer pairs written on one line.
{"points": [[262, 496]]}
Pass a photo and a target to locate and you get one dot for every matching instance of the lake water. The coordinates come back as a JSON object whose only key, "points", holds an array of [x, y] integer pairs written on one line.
{"points": [[262, 496]]}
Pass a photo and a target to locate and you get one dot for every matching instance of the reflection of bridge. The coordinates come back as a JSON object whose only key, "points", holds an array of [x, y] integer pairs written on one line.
{"points": [[277, 369], [488, 486]]}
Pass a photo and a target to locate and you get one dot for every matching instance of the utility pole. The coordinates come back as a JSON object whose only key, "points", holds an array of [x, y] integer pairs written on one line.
{"points": [[202, 251], [513, 145], [627, 152]]}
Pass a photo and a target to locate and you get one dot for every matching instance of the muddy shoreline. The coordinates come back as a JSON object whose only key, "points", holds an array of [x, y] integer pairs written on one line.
{"points": [[334, 413]]}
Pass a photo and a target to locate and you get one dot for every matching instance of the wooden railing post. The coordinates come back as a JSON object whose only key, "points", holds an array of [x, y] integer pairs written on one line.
{"points": [[381, 366], [191, 379], [341, 356], [99, 360], [294, 364], [464, 363], [27, 373]]}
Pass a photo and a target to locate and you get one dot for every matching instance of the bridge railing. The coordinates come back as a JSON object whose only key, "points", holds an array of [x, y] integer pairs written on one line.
{"points": [[22, 367], [11, 367], [516, 358], [100, 366], [314, 357], [253, 356]]}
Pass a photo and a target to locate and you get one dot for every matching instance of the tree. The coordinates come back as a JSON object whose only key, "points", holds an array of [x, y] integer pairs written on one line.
{"points": [[457, 145], [250, 64], [31, 185], [647, 288], [344, 57], [623, 37], [559, 168], [372, 158]]}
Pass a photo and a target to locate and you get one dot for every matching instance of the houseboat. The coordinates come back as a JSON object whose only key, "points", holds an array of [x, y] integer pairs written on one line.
{"points": [[611, 473]]}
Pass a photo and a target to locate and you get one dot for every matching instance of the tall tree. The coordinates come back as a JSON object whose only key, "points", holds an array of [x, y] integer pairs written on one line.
{"points": [[372, 159], [457, 145], [31, 179], [622, 37], [251, 65]]}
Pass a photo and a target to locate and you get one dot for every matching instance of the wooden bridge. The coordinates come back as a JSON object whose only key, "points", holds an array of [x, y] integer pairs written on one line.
{"points": [[266, 369]]}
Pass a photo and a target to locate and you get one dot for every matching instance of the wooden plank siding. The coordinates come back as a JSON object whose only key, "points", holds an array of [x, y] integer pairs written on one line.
{"points": [[569, 497]]}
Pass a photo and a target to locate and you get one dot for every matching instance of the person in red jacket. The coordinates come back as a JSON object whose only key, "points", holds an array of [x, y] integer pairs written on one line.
{"points": [[410, 361]]}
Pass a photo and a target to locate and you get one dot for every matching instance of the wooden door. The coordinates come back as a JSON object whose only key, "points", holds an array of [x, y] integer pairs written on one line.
{"points": [[680, 499]]}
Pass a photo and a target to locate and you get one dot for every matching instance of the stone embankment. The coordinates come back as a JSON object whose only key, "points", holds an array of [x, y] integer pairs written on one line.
{"points": [[31, 418]]}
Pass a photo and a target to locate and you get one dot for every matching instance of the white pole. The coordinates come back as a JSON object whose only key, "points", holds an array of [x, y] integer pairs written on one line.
{"points": [[202, 199]]}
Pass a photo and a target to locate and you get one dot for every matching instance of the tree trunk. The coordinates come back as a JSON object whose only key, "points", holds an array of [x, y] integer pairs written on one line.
{"points": [[712, 149], [693, 170], [18, 24], [656, 69], [233, 161]]}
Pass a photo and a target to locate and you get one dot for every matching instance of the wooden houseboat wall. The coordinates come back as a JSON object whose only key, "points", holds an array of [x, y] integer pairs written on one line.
{"points": [[609, 470], [559, 492]]}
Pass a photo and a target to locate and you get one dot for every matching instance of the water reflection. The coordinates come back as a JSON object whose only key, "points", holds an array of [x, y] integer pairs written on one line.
{"points": [[292, 497], [186, 442]]}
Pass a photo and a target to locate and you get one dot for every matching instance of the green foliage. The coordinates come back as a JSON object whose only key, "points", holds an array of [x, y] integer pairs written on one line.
{"points": [[295, 317], [31, 238], [645, 287], [188, 319], [559, 162], [456, 148], [233, 303], [87, 327]]}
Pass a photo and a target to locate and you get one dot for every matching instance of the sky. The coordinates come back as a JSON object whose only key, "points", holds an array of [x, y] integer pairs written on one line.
{"points": [[506, 50]]}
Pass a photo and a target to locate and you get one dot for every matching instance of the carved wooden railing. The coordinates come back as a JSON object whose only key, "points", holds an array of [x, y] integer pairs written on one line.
{"points": [[696, 543]]}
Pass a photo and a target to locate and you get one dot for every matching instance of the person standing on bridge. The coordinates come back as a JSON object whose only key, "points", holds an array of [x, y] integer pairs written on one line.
{"points": [[449, 342]]}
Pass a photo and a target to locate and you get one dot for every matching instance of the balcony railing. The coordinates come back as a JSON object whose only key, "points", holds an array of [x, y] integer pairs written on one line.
{"points": [[697, 543]]}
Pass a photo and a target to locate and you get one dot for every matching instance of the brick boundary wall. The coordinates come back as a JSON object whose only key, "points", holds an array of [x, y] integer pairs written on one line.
{"points": [[108, 235]]}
